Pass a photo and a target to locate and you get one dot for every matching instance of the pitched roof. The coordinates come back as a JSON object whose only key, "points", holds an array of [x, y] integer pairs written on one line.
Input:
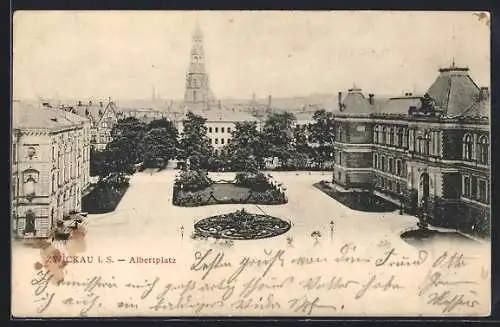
{"points": [[92, 111], [25, 116], [356, 103], [398, 105], [479, 109], [454, 91]]}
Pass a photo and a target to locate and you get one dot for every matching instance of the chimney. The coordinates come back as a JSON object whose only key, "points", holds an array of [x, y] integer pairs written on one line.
{"points": [[484, 94], [340, 101], [90, 103], [370, 98], [100, 104], [219, 105], [269, 101], [79, 103]]}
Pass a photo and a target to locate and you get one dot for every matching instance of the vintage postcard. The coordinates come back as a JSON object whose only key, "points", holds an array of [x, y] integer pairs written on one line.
{"points": [[250, 163]]}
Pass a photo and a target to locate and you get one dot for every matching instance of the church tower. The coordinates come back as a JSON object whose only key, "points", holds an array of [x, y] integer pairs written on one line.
{"points": [[197, 95]]}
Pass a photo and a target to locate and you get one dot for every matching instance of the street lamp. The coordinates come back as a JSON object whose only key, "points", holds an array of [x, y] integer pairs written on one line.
{"points": [[332, 225], [182, 232]]}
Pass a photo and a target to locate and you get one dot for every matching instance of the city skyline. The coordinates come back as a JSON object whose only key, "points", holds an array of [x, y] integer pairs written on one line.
{"points": [[285, 54]]}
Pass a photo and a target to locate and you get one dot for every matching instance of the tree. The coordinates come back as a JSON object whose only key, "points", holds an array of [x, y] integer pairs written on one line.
{"points": [[158, 144], [278, 136], [302, 148], [128, 132], [322, 133], [246, 150], [194, 145], [97, 162]]}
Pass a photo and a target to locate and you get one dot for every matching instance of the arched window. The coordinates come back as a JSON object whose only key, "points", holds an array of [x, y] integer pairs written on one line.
{"points": [[399, 137], [483, 150], [383, 139], [391, 136], [399, 167], [375, 161], [426, 142], [30, 187], [391, 165], [405, 138], [388, 136], [30, 180], [382, 163], [375, 134], [29, 227], [467, 147]]}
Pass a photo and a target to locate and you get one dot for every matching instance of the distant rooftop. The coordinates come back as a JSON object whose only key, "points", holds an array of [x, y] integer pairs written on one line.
{"points": [[28, 116]]}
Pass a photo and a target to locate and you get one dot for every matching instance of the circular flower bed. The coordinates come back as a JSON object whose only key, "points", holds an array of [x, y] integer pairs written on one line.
{"points": [[241, 225]]}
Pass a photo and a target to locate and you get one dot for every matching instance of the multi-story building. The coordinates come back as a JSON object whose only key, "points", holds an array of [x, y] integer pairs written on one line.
{"points": [[220, 124], [102, 119], [50, 167], [428, 154]]}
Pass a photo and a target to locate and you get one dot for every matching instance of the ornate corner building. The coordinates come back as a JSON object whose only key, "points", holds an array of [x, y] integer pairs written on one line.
{"points": [[428, 154], [50, 168]]}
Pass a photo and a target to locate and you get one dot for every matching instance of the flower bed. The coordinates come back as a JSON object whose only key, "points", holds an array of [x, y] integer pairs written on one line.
{"points": [[424, 236], [104, 197], [193, 180], [247, 188], [241, 225], [361, 201], [227, 193]]}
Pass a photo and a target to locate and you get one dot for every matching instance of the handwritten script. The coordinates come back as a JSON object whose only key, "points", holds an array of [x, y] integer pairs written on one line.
{"points": [[275, 282]]}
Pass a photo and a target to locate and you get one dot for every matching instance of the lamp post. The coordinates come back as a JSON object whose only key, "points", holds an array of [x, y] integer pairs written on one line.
{"points": [[332, 225], [182, 233]]}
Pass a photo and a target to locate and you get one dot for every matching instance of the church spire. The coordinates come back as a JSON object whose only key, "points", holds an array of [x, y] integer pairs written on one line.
{"points": [[197, 92]]}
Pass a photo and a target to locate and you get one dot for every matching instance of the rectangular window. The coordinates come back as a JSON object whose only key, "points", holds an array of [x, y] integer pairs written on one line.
{"points": [[473, 187], [217, 130], [222, 129], [398, 188], [229, 129], [14, 152], [466, 190], [390, 165], [210, 129], [216, 141], [221, 141], [483, 194]]}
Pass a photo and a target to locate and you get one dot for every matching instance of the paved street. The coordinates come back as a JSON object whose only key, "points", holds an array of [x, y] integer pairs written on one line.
{"points": [[146, 224], [146, 211]]}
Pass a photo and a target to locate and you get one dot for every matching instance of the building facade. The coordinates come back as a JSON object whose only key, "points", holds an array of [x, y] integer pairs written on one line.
{"points": [[428, 154], [50, 168], [220, 124], [102, 118]]}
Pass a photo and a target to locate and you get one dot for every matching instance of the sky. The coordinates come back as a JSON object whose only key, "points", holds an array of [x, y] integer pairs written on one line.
{"points": [[124, 55]]}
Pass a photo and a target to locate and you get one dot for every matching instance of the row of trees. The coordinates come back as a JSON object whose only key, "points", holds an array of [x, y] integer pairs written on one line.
{"points": [[154, 144]]}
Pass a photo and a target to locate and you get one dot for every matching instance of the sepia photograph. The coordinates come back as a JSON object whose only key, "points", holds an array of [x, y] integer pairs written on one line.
{"points": [[250, 163]]}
